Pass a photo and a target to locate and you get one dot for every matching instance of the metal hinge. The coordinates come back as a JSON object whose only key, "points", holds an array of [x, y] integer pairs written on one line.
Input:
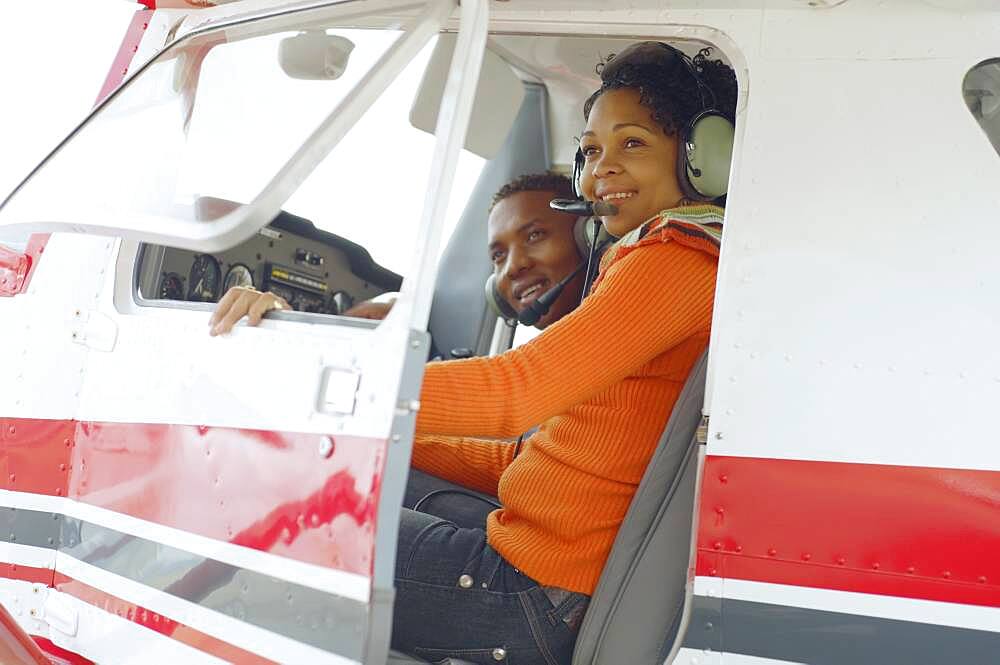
{"points": [[701, 434], [60, 614]]}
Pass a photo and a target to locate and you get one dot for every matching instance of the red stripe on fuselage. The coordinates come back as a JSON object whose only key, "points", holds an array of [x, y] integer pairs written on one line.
{"points": [[141, 616], [59, 656], [912, 532], [270, 491]]}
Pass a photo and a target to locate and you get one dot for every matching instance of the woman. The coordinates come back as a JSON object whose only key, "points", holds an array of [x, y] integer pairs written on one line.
{"points": [[599, 380]]}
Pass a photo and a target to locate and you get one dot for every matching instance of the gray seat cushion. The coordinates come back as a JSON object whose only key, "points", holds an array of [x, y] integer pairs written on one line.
{"points": [[635, 612]]}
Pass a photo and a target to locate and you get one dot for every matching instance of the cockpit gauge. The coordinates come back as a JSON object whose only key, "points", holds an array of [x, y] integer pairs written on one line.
{"points": [[238, 275], [204, 279], [340, 302], [171, 287]]}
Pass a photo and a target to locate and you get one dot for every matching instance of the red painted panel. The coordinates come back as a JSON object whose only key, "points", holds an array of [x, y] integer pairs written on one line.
{"points": [[37, 455], [59, 656], [304, 496], [17, 268], [890, 530], [14, 571], [14, 267]]}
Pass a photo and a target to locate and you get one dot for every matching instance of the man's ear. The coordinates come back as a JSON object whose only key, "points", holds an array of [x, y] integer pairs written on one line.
{"points": [[498, 303]]}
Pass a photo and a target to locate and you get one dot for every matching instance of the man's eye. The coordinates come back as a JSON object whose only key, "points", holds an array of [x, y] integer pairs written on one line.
{"points": [[535, 235], [496, 256]]}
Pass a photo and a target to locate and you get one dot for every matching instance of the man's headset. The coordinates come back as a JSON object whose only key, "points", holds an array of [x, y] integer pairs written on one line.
{"points": [[583, 234], [705, 144]]}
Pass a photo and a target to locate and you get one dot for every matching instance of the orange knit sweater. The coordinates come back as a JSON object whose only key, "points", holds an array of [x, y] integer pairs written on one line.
{"points": [[602, 381]]}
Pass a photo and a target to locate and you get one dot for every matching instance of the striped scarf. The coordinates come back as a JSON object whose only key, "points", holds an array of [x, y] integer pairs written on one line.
{"points": [[698, 227]]}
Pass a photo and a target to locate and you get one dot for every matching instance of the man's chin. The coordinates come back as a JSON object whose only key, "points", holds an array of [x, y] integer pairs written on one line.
{"points": [[542, 321], [548, 319]]}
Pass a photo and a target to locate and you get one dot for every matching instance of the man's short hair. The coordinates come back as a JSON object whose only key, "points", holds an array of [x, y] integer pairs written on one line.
{"points": [[556, 183]]}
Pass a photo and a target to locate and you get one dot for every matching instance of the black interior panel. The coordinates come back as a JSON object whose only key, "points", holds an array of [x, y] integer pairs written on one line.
{"points": [[315, 271]]}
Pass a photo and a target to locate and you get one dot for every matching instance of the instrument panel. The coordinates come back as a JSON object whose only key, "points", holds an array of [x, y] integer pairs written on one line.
{"points": [[313, 270]]}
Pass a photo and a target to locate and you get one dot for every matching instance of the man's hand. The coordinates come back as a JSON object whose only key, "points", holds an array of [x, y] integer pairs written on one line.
{"points": [[241, 301], [370, 310]]}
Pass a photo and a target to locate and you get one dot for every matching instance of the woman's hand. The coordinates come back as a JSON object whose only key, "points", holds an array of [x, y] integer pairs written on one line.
{"points": [[241, 301]]}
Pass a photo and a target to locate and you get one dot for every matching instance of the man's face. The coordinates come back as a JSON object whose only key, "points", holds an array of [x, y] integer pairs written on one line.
{"points": [[532, 248]]}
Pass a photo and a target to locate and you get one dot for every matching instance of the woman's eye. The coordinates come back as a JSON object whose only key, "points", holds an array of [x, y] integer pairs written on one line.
{"points": [[633, 143], [535, 235], [496, 256], [588, 150]]}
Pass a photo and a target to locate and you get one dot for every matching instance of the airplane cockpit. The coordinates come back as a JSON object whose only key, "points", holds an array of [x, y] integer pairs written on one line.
{"points": [[343, 237], [346, 237], [352, 227], [245, 178]]}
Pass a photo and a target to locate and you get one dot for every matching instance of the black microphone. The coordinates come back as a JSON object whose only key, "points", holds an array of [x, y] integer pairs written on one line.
{"points": [[584, 208], [536, 310]]}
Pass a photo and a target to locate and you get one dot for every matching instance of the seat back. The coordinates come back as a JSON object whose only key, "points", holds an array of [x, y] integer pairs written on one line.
{"points": [[635, 612], [460, 317]]}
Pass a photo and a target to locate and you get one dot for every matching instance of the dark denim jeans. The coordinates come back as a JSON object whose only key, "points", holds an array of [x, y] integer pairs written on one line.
{"points": [[456, 597], [432, 495]]}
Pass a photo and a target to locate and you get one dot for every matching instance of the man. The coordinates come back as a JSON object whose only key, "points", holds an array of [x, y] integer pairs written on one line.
{"points": [[532, 248]]}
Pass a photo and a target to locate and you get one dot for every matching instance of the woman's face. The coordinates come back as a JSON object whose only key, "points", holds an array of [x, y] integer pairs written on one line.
{"points": [[629, 161]]}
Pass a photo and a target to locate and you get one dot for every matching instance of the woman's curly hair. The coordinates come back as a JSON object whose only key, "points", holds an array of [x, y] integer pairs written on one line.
{"points": [[667, 87]]}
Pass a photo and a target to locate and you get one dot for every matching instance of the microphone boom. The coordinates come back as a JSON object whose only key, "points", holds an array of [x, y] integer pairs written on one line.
{"points": [[584, 208], [530, 315]]}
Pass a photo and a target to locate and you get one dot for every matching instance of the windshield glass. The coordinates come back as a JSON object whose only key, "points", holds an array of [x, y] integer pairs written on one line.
{"points": [[215, 116], [346, 235]]}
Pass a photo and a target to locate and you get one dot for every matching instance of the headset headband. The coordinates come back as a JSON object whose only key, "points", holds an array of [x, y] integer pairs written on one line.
{"points": [[659, 54]]}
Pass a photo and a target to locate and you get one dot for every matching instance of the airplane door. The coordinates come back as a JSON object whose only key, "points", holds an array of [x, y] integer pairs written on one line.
{"points": [[200, 499]]}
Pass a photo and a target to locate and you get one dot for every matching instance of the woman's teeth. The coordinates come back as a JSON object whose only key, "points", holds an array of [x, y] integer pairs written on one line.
{"points": [[618, 196]]}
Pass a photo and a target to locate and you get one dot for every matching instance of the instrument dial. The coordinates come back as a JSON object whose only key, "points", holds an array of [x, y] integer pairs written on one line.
{"points": [[238, 275], [204, 279], [171, 287]]}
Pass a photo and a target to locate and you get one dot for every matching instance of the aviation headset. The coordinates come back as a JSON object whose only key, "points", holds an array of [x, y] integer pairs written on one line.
{"points": [[583, 234], [705, 143]]}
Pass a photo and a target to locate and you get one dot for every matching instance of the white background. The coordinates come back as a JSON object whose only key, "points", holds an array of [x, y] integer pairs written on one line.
{"points": [[54, 57]]}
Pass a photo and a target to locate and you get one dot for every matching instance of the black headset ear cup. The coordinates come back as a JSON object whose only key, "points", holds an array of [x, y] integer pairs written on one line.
{"points": [[497, 302]]}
